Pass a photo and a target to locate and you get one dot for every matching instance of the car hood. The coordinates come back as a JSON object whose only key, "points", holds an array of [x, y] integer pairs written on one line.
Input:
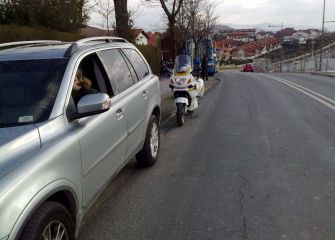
{"points": [[16, 145]]}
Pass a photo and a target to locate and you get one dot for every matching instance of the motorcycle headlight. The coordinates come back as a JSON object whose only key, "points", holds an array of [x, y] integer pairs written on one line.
{"points": [[180, 81]]}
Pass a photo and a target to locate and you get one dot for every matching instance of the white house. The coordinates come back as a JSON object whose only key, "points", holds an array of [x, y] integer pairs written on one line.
{"points": [[262, 35], [141, 38], [304, 35]]}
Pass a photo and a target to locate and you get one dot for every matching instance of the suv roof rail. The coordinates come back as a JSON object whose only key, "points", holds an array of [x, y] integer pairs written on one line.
{"points": [[9, 44], [74, 46], [106, 39]]}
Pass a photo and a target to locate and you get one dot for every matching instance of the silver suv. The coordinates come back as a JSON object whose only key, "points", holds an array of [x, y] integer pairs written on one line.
{"points": [[71, 116]]}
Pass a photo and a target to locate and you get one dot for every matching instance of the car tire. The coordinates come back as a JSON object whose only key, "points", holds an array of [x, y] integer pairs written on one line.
{"points": [[148, 156], [49, 217], [180, 114]]}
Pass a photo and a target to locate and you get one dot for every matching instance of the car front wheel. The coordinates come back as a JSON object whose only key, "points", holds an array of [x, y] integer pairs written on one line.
{"points": [[50, 221]]}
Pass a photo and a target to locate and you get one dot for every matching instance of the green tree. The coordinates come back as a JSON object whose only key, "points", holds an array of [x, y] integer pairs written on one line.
{"points": [[63, 15]]}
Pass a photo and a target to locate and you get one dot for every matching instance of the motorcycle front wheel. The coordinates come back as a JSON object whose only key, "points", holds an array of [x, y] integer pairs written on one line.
{"points": [[180, 114]]}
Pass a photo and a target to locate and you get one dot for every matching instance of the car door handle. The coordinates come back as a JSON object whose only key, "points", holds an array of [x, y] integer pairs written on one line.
{"points": [[145, 93], [120, 113]]}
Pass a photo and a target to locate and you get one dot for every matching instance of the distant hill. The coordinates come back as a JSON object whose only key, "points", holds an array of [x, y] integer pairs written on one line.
{"points": [[265, 26], [89, 31], [258, 27], [220, 27]]}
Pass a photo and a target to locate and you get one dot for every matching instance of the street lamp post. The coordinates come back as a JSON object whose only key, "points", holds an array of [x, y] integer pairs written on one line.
{"points": [[322, 33]]}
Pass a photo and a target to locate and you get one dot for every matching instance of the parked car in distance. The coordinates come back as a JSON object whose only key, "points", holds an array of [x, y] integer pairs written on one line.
{"points": [[71, 116], [247, 68]]}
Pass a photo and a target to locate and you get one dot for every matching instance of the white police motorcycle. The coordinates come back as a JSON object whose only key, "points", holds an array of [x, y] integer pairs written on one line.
{"points": [[186, 88]]}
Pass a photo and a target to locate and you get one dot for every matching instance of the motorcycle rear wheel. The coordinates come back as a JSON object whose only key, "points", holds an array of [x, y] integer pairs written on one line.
{"points": [[180, 114]]}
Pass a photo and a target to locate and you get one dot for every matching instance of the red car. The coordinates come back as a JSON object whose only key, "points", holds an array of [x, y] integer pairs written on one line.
{"points": [[247, 68]]}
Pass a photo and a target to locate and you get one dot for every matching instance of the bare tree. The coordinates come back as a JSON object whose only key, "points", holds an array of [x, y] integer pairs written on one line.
{"points": [[171, 9], [123, 20], [105, 8], [197, 21]]}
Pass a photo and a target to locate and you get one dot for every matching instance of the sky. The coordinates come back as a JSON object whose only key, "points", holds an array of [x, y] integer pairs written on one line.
{"points": [[299, 14]]}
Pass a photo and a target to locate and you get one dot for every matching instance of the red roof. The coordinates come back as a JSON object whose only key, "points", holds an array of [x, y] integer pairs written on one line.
{"points": [[153, 36], [137, 32], [252, 47], [233, 34]]}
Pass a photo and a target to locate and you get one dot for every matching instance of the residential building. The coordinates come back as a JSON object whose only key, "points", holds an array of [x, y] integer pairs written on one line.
{"points": [[141, 37], [263, 34], [256, 49], [224, 48], [303, 35], [251, 31], [242, 35], [154, 37], [284, 33]]}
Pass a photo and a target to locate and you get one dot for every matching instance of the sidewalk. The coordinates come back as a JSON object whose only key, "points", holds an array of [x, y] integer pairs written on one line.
{"points": [[330, 74], [167, 104]]}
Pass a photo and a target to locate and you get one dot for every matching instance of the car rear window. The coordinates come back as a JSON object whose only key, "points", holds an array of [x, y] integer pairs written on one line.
{"points": [[28, 89], [138, 63]]}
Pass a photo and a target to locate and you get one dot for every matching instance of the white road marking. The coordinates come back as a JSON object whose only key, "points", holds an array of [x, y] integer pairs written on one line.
{"points": [[316, 96]]}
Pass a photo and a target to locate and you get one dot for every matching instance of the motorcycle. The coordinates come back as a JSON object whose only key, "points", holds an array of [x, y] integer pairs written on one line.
{"points": [[187, 87]]}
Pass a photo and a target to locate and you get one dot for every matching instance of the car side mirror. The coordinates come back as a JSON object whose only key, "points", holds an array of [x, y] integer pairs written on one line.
{"points": [[92, 104]]}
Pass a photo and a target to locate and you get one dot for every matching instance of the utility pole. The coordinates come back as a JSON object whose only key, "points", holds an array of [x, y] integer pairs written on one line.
{"points": [[322, 33], [281, 49], [313, 42]]}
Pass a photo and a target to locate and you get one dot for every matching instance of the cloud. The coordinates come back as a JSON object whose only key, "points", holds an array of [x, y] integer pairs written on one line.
{"points": [[289, 12]]}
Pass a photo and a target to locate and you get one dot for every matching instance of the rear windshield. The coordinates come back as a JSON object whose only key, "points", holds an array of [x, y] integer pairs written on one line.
{"points": [[28, 89]]}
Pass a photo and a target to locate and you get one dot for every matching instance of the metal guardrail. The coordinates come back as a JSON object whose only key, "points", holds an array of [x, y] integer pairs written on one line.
{"points": [[305, 63]]}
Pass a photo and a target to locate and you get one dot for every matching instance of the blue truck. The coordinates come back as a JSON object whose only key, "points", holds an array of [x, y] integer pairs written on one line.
{"points": [[206, 47]]}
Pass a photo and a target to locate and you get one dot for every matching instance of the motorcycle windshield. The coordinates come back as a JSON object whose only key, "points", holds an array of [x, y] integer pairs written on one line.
{"points": [[183, 64]]}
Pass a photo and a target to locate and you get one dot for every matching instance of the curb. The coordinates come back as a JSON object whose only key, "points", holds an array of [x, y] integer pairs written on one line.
{"points": [[207, 90], [323, 74]]}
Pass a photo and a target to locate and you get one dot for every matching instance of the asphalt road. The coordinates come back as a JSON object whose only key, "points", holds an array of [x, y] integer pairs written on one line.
{"points": [[257, 163]]}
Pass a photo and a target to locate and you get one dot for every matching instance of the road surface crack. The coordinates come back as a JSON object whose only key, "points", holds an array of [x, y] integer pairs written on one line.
{"points": [[242, 207]]}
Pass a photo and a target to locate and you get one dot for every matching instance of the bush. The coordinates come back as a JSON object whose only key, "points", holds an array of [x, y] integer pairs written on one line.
{"points": [[152, 54], [12, 33]]}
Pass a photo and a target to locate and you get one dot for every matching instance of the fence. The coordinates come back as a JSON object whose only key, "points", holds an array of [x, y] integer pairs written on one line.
{"points": [[306, 63]]}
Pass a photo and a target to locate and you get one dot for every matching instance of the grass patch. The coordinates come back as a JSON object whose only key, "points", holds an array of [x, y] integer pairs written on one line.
{"points": [[230, 67]]}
